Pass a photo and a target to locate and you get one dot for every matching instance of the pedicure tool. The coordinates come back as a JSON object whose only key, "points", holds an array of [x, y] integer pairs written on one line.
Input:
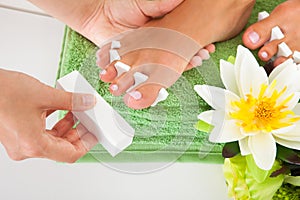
{"points": [[114, 55], [115, 44], [263, 15], [284, 50], [162, 95], [276, 34], [121, 68], [296, 57], [110, 128]]}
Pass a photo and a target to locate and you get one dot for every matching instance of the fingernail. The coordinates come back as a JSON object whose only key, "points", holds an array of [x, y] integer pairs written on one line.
{"points": [[114, 87], [136, 95], [253, 37], [264, 54], [88, 100], [103, 72]]}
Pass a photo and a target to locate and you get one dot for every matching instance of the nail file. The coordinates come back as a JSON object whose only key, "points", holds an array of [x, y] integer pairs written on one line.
{"points": [[115, 44], [263, 15], [284, 50], [121, 68], [276, 34], [162, 95], [114, 55], [111, 130], [296, 57]]}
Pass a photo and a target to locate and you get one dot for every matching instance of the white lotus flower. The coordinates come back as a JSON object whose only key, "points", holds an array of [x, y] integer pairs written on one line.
{"points": [[254, 109]]}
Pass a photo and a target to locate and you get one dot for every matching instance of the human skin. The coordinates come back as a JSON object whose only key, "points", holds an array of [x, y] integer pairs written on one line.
{"points": [[286, 16], [25, 103]]}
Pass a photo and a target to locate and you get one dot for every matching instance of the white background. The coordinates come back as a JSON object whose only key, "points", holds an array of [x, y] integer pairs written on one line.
{"points": [[31, 43]]}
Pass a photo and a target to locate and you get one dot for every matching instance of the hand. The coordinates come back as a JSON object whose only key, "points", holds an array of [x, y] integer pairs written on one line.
{"points": [[25, 103]]}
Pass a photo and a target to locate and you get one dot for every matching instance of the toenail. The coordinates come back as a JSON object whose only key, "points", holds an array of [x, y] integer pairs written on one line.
{"points": [[103, 72], [196, 61], [114, 87], [204, 54], [264, 54], [253, 37], [136, 95]]}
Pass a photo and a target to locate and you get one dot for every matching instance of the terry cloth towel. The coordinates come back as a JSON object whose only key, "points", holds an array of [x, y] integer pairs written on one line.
{"points": [[166, 132]]}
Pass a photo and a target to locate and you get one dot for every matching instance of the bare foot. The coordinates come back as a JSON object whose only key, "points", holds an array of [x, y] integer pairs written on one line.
{"points": [[199, 22], [286, 16]]}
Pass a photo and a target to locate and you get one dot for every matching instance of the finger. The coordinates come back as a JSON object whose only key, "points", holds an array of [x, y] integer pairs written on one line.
{"points": [[75, 134], [60, 100], [62, 150], [157, 8], [63, 126]]}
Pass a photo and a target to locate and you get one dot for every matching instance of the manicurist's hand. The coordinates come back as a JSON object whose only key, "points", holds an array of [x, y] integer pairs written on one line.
{"points": [[25, 104]]}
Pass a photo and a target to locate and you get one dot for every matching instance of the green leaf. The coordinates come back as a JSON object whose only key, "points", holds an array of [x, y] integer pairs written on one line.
{"points": [[294, 180], [203, 126], [231, 149], [258, 174], [242, 184], [288, 155], [231, 59]]}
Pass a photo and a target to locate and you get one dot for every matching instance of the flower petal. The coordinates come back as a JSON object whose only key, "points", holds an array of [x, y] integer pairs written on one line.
{"points": [[288, 143], [288, 77], [252, 76], [224, 132], [228, 76], [244, 147], [206, 116], [277, 70], [293, 102], [293, 134], [217, 98], [263, 149], [296, 109]]}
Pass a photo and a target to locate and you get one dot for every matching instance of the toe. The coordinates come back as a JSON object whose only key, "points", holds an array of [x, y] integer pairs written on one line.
{"points": [[279, 60], [258, 34], [143, 97], [108, 74], [120, 85], [269, 50], [103, 57], [211, 48]]}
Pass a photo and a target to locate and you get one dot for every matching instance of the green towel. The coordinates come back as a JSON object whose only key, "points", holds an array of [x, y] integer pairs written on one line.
{"points": [[165, 133]]}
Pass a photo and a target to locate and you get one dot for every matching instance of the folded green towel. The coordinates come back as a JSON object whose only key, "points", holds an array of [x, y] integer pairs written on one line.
{"points": [[164, 133]]}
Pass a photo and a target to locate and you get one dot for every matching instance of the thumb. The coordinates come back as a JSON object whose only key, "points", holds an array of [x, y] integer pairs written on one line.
{"points": [[61, 100]]}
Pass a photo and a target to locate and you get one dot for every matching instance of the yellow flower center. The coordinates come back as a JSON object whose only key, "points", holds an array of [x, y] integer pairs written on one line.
{"points": [[263, 113]]}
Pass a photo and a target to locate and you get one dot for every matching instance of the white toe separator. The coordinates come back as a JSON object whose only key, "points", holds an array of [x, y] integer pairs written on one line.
{"points": [[139, 78], [162, 95], [115, 44], [276, 34], [121, 68], [284, 50], [263, 15], [110, 128], [114, 55], [296, 57]]}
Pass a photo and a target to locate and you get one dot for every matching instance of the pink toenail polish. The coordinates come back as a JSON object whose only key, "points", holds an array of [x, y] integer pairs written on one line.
{"points": [[103, 72], [136, 95], [264, 54], [253, 37], [114, 87]]}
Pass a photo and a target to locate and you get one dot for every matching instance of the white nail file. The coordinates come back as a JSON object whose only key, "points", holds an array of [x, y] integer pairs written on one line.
{"points": [[296, 57], [111, 130], [115, 44], [162, 95], [284, 50], [121, 68], [263, 15], [114, 55], [276, 34]]}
